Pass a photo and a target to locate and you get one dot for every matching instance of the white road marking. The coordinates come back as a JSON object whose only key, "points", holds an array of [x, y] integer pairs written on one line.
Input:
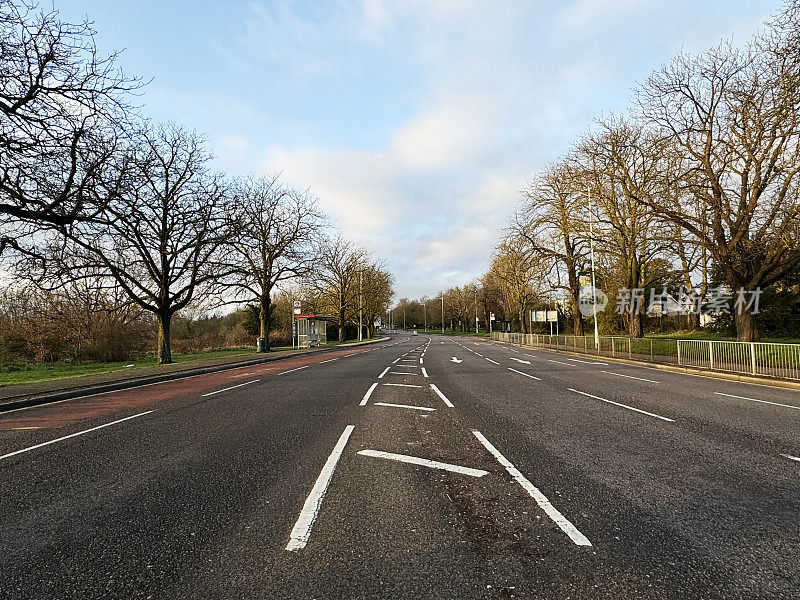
{"points": [[420, 359], [230, 388], [566, 526], [519, 360], [644, 412], [302, 529], [371, 389], [476, 354], [403, 385], [492, 361], [424, 462], [396, 359], [790, 457], [292, 370], [630, 376], [455, 360], [529, 355], [559, 362], [386, 370], [400, 373], [403, 406], [442, 396], [525, 374], [588, 362], [72, 435], [761, 401], [329, 360], [424, 373]]}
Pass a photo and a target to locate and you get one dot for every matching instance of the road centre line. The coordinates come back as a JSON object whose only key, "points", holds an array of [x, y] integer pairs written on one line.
{"points": [[424, 373], [403, 385], [291, 370], [72, 435], [559, 362], [630, 376], [302, 529], [790, 457], [525, 374], [420, 360], [371, 389], [475, 353], [491, 361], [566, 526], [403, 406], [442, 396], [424, 462], [386, 370], [229, 388], [761, 401], [644, 412]]}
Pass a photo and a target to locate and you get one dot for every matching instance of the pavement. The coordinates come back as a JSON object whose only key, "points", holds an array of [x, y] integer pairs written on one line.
{"points": [[420, 467]]}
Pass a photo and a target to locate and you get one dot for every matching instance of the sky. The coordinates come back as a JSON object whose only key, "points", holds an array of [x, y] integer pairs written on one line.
{"points": [[415, 122]]}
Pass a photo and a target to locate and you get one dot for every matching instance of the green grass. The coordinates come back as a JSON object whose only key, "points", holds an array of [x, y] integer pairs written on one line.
{"points": [[20, 374]]}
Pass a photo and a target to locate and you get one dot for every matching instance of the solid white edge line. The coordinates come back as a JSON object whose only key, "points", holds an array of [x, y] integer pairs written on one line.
{"points": [[371, 389], [525, 374], [292, 370], [566, 526], [559, 362], [790, 457], [493, 361], [630, 376], [403, 406], [424, 462], [442, 396], [586, 362], [230, 388], [72, 435], [302, 529], [644, 412], [386, 370], [424, 373], [761, 401]]}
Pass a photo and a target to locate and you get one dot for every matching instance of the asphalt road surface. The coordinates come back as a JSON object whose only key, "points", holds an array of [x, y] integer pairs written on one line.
{"points": [[421, 467]]}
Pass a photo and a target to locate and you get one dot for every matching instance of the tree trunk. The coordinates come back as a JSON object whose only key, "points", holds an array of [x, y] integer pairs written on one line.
{"points": [[577, 317], [693, 321], [746, 330], [635, 325], [164, 350], [265, 303], [522, 324], [341, 325]]}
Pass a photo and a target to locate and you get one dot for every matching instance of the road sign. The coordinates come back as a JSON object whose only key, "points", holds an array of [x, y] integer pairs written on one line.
{"points": [[296, 310], [491, 316]]}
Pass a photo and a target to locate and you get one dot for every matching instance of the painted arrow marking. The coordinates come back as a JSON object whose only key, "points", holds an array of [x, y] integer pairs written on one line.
{"points": [[527, 362], [455, 360]]}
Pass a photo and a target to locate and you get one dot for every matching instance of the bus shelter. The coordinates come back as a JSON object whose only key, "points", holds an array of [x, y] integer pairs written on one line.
{"points": [[311, 330]]}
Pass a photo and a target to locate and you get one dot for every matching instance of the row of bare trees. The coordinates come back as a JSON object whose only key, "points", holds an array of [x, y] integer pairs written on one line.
{"points": [[92, 195], [702, 177]]}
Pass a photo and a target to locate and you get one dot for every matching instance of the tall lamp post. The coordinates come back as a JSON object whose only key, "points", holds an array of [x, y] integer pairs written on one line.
{"points": [[476, 311], [425, 312], [594, 290], [442, 312], [360, 306]]}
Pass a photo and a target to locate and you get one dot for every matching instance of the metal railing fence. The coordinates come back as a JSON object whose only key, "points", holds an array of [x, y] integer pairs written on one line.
{"points": [[751, 358]]}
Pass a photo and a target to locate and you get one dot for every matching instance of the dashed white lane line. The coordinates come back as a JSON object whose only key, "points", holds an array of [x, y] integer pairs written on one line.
{"points": [[761, 401], [424, 373], [230, 388], [292, 370], [492, 361], [559, 362], [401, 373], [630, 376], [644, 412], [302, 529], [588, 362], [790, 457], [519, 360], [442, 396], [425, 408], [386, 370], [424, 462], [566, 526], [420, 359], [371, 389], [396, 359], [403, 385], [475, 353], [72, 435], [525, 374]]}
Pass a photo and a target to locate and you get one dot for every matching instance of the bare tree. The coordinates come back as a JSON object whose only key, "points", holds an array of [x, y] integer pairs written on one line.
{"points": [[275, 231], [61, 107], [160, 239], [520, 274]]}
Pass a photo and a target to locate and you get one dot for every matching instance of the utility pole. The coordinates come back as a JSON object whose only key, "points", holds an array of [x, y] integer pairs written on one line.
{"points": [[594, 291], [360, 306], [476, 311], [425, 312], [442, 312], [404, 317]]}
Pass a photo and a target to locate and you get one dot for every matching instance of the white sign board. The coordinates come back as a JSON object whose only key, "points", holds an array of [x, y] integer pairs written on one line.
{"points": [[544, 316], [296, 304], [491, 316]]}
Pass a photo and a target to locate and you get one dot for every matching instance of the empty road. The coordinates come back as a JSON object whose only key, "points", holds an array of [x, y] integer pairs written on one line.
{"points": [[419, 467]]}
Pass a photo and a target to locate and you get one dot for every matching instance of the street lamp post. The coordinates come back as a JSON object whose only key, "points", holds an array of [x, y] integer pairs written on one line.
{"points": [[476, 312], [425, 312], [360, 306], [594, 290], [442, 312]]}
